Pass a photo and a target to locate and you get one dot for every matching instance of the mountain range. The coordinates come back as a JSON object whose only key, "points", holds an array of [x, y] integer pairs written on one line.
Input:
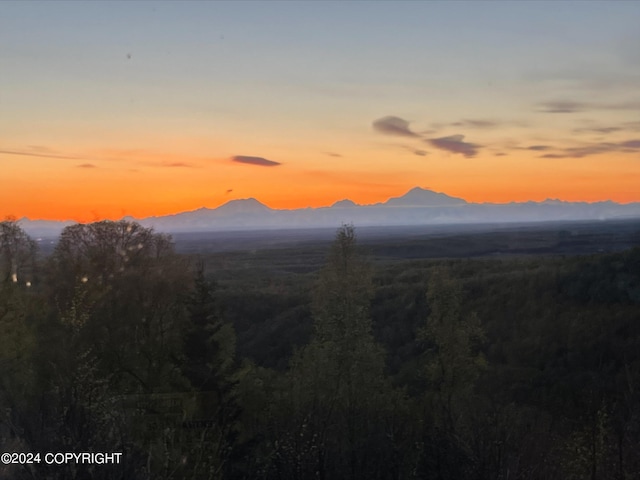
{"points": [[417, 207]]}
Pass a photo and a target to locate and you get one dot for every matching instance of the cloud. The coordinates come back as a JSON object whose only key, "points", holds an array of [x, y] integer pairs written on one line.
{"points": [[391, 125], [455, 144], [332, 154], [416, 151], [40, 153], [563, 106], [570, 106], [177, 165], [167, 164], [602, 130], [470, 123], [262, 162], [629, 146], [229, 191], [539, 148], [86, 165], [633, 144]]}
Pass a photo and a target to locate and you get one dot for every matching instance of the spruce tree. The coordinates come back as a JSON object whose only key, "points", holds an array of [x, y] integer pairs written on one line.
{"points": [[209, 364]]}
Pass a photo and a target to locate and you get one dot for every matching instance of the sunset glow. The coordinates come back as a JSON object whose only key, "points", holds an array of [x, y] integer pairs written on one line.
{"points": [[148, 109]]}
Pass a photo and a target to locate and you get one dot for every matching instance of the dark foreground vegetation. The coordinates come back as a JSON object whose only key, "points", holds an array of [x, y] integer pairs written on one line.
{"points": [[229, 366]]}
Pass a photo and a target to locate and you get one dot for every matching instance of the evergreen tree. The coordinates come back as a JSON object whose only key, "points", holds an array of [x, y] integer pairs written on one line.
{"points": [[209, 343], [209, 364]]}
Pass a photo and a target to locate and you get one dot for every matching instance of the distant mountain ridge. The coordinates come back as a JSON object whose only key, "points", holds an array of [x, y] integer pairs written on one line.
{"points": [[346, 203], [418, 206], [242, 206], [420, 197]]}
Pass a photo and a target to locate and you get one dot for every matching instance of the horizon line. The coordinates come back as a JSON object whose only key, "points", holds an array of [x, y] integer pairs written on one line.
{"points": [[12, 217]]}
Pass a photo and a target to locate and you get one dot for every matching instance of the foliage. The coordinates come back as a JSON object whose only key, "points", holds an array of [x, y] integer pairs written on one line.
{"points": [[272, 367]]}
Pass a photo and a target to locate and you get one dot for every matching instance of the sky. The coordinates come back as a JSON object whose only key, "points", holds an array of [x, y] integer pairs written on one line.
{"points": [[112, 109]]}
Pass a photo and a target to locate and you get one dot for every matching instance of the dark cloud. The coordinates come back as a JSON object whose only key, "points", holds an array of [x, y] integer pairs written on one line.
{"points": [[391, 125], [563, 106], [470, 123], [500, 154], [539, 148], [262, 162], [86, 165], [455, 144], [332, 154]]}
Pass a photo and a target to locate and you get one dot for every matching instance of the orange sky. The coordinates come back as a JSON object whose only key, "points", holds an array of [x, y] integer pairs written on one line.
{"points": [[140, 108], [131, 184]]}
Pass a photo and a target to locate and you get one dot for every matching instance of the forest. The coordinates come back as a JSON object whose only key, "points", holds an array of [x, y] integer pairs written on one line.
{"points": [[340, 366]]}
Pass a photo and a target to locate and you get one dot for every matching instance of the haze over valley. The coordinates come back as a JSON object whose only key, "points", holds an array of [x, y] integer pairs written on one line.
{"points": [[417, 207]]}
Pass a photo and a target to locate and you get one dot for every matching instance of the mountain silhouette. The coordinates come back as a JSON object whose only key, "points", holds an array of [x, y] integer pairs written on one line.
{"points": [[346, 203], [420, 197], [418, 206], [242, 206]]}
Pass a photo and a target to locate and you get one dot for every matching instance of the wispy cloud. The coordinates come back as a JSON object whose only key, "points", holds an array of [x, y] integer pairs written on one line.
{"points": [[86, 165], [177, 165], [476, 123], [601, 130], [593, 127], [455, 144], [632, 144], [391, 125], [333, 154], [38, 153], [571, 106], [539, 148], [562, 106], [629, 146], [260, 161]]}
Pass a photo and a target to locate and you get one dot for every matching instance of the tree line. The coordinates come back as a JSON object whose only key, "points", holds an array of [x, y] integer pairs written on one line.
{"points": [[514, 369]]}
